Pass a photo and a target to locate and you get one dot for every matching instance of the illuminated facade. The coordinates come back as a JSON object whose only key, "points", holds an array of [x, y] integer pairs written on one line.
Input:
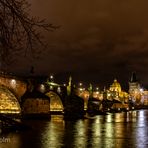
{"points": [[8, 102], [116, 87], [97, 94], [135, 90], [115, 92], [145, 97]]}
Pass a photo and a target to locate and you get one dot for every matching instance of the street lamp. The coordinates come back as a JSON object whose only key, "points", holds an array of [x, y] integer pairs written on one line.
{"points": [[51, 78], [80, 84], [64, 84], [13, 83], [97, 88]]}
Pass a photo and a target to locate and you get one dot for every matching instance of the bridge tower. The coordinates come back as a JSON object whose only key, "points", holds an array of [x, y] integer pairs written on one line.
{"points": [[134, 89], [134, 84]]}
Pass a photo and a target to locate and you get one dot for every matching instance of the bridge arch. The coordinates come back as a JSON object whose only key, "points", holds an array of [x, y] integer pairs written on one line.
{"points": [[56, 104], [8, 102], [16, 85]]}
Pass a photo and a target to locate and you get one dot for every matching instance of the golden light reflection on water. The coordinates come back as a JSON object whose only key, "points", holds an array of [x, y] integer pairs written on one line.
{"points": [[119, 130], [80, 137], [96, 133], [141, 133], [119, 117], [52, 137], [141, 117], [109, 118]]}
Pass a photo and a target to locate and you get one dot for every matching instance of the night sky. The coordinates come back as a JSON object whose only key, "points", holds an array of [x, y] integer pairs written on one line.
{"points": [[98, 40]]}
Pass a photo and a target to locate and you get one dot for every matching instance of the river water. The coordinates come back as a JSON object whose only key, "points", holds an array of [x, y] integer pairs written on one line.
{"points": [[115, 130]]}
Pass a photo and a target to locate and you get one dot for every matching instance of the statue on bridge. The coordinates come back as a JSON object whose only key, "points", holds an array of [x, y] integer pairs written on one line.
{"points": [[69, 87]]}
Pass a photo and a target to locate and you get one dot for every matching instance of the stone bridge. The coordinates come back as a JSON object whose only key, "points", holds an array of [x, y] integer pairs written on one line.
{"points": [[15, 97]]}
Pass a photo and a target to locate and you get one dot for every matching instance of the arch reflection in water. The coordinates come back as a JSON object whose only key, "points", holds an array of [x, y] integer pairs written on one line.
{"points": [[52, 136], [55, 102], [8, 102]]}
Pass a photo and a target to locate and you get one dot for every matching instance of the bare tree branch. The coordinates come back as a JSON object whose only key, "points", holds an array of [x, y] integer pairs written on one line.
{"points": [[19, 30]]}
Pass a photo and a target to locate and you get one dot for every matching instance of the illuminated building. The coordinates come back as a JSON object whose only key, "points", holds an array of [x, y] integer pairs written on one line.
{"points": [[115, 92], [135, 90], [134, 86], [145, 97], [97, 94], [115, 86], [114, 98], [80, 90]]}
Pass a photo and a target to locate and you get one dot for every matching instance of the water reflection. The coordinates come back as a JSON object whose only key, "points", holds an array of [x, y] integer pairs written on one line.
{"points": [[53, 133], [80, 136], [141, 130], [119, 130]]}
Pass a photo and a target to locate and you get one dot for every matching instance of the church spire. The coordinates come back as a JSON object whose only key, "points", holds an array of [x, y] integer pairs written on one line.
{"points": [[133, 77]]}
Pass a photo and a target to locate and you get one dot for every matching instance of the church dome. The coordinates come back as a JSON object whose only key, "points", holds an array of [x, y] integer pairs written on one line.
{"points": [[116, 83], [115, 86]]}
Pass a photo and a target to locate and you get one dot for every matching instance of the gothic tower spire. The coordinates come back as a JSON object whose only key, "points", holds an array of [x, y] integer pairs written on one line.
{"points": [[133, 78]]}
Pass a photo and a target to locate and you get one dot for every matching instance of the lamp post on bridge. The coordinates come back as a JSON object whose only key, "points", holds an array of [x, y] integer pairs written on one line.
{"points": [[51, 78]]}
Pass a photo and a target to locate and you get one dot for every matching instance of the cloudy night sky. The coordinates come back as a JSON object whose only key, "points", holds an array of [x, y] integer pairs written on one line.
{"points": [[98, 40]]}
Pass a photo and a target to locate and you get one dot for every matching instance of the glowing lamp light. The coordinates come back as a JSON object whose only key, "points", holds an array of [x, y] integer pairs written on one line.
{"points": [[51, 87], [80, 84], [97, 92], [13, 82], [97, 88], [58, 89], [108, 94], [51, 76], [64, 84]]}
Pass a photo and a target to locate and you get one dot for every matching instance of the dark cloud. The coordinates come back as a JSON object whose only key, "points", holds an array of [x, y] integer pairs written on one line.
{"points": [[97, 40]]}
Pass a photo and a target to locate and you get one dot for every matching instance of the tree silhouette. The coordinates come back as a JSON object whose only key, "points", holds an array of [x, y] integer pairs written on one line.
{"points": [[19, 32]]}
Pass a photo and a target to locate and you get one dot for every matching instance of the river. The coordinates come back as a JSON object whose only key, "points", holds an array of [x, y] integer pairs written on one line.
{"points": [[115, 130]]}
